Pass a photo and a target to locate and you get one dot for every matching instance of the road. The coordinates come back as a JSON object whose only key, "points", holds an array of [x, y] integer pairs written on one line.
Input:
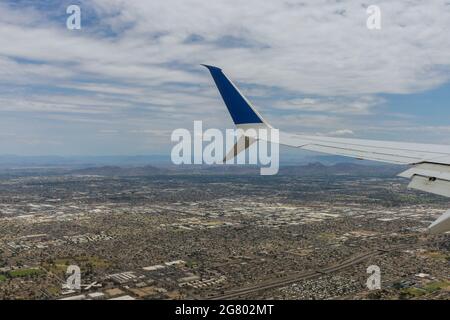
{"points": [[276, 283]]}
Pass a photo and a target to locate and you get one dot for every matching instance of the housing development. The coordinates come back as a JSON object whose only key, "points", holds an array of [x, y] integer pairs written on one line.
{"points": [[310, 232]]}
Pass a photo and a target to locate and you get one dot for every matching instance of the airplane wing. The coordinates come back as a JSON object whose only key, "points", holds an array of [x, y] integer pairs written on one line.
{"points": [[430, 163]]}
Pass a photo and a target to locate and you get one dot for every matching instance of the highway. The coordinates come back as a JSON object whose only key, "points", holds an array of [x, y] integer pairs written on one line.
{"points": [[276, 283]]}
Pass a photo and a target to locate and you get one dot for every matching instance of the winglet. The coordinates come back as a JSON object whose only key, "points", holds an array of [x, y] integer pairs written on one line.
{"points": [[442, 224], [209, 67], [241, 110]]}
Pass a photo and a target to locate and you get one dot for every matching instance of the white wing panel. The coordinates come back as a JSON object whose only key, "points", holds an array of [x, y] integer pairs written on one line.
{"points": [[442, 224], [436, 186], [361, 154], [384, 151], [429, 170]]}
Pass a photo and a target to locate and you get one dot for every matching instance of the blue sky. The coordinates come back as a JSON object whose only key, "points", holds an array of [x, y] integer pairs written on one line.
{"points": [[132, 74]]}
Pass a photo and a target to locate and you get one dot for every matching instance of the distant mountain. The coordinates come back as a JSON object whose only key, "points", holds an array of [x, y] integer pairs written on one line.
{"points": [[311, 169], [111, 171], [12, 165], [8, 161], [78, 162]]}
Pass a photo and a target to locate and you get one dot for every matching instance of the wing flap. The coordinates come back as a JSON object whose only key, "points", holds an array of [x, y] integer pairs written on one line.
{"points": [[436, 186], [430, 170], [429, 177]]}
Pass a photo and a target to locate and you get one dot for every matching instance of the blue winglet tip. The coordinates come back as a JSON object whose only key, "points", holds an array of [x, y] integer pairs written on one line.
{"points": [[209, 67]]}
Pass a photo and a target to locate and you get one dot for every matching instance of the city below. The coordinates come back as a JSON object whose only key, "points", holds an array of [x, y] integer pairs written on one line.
{"points": [[220, 232]]}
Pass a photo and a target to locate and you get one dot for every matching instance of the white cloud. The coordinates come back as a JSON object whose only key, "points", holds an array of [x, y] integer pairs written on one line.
{"points": [[342, 132], [315, 47], [143, 72], [359, 105]]}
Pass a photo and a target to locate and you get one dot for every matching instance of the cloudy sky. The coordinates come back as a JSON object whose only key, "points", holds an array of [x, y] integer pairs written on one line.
{"points": [[131, 75]]}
